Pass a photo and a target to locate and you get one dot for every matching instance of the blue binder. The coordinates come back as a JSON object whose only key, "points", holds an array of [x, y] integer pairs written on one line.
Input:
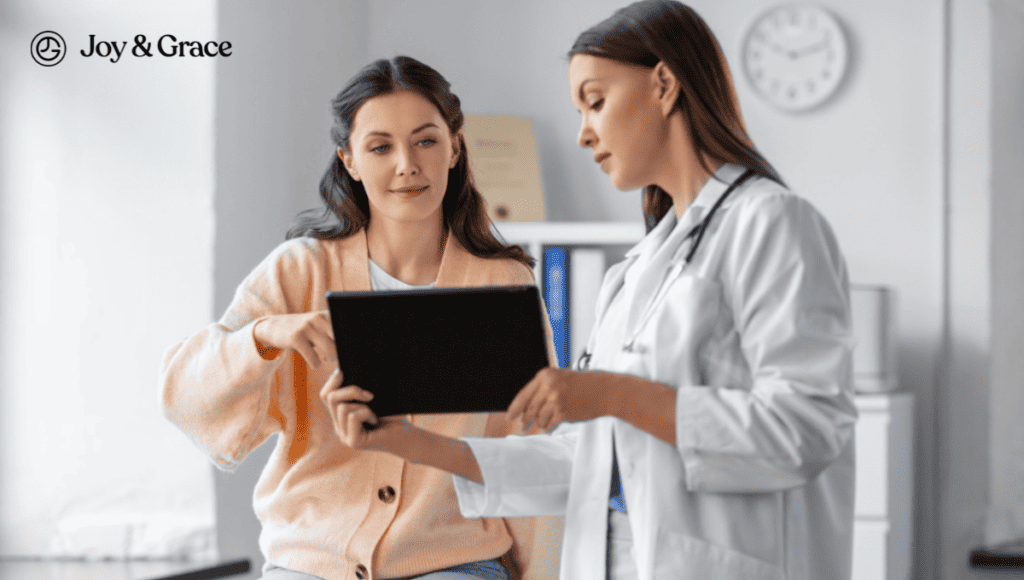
{"points": [[556, 297]]}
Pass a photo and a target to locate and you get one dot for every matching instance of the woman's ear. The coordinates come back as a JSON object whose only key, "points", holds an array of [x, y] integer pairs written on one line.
{"points": [[456, 150], [666, 86], [347, 160]]}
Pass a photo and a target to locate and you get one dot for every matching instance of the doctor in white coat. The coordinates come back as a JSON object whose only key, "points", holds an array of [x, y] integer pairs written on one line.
{"points": [[708, 431]]}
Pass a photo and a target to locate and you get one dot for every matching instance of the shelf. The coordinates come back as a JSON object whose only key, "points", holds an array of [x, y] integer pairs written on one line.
{"points": [[572, 233], [536, 235]]}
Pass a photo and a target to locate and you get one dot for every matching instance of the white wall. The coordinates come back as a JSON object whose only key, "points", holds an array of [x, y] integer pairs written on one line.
{"points": [[106, 247]]}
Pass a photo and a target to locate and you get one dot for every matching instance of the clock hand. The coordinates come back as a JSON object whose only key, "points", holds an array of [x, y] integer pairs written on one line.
{"points": [[817, 47]]}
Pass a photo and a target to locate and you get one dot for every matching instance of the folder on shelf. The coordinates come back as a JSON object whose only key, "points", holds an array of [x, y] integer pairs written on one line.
{"points": [[506, 170], [556, 294]]}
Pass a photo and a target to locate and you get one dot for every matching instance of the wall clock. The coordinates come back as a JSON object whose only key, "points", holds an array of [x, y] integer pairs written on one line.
{"points": [[795, 56]]}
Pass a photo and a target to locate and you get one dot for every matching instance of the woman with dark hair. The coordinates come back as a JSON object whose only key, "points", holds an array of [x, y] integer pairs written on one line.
{"points": [[708, 430], [400, 212]]}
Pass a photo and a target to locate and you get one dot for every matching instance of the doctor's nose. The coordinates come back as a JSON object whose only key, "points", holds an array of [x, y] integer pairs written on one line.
{"points": [[586, 137]]}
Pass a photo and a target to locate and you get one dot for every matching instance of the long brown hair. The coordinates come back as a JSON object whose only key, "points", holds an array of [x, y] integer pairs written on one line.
{"points": [[652, 31], [347, 209]]}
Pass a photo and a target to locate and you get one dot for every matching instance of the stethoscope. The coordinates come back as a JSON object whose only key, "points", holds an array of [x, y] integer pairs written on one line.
{"points": [[697, 232]]}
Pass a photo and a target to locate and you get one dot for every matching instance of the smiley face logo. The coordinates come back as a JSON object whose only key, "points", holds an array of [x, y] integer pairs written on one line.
{"points": [[48, 48]]}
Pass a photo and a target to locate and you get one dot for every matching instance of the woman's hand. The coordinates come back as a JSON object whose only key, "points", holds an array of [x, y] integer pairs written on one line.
{"points": [[351, 418], [394, 435], [557, 395], [308, 333]]}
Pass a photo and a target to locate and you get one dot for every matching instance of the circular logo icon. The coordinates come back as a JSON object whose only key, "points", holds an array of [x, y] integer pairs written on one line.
{"points": [[48, 48]]}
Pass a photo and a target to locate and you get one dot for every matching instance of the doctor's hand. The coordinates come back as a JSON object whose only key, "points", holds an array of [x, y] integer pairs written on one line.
{"points": [[309, 333], [556, 395], [351, 416]]}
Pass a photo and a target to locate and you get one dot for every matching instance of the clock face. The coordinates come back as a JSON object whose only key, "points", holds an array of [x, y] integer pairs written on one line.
{"points": [[795, 56]]}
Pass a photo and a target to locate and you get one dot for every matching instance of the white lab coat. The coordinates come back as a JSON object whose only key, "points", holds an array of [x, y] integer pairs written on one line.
{"points": [[754, 334]]}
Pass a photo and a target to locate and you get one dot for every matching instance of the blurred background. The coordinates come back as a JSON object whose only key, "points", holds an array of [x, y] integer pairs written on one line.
{"points": [[135, 195]]}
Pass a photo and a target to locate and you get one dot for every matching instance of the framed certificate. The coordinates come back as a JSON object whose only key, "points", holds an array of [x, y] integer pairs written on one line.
{"points": [[503, 156]]}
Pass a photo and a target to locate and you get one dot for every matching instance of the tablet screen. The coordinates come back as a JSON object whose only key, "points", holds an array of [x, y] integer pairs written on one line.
{"points": [[451, 350]]}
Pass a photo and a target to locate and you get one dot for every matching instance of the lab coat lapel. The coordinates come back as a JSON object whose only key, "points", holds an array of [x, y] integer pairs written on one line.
{"points": [[665, 249], [613, 279], [654, 255]]}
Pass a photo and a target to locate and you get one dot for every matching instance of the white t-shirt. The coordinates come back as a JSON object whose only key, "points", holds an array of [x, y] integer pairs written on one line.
{"points": [[381, 280]]}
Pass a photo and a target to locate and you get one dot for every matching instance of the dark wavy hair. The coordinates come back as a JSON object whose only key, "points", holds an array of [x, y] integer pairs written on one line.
{"points": [[347, 209], [652, 31]]}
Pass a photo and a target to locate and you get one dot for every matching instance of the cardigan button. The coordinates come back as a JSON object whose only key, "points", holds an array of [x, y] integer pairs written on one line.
{"points": [[386, 494], [361, 572]]}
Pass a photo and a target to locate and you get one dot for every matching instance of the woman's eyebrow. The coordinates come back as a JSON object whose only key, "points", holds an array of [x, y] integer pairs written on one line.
{"points": [[582, 86], [423, 126], [414, 131]]}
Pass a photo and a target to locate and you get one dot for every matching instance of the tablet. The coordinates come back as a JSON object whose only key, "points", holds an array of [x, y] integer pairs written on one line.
{"points": [[451, 350]]}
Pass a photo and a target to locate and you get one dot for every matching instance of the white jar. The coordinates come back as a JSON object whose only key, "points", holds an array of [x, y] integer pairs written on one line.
{"points": [[872, 310]]}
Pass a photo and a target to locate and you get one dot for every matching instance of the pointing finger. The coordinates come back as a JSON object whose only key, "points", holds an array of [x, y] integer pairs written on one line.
{"points": [[306, 350], [332, 384], [349, 394]]}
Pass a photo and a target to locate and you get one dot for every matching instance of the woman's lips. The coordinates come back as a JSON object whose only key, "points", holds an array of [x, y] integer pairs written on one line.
{"points": [[411, 191]]}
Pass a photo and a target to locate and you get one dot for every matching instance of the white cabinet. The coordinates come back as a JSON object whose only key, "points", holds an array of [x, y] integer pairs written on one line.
{"points": [[883, 509]]}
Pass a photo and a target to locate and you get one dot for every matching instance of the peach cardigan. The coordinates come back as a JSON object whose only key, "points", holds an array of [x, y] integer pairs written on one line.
{"points": [[326, 509]]}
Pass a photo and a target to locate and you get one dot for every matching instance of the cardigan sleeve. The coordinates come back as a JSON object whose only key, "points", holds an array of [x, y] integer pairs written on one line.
{"points": [[214, 385]]}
